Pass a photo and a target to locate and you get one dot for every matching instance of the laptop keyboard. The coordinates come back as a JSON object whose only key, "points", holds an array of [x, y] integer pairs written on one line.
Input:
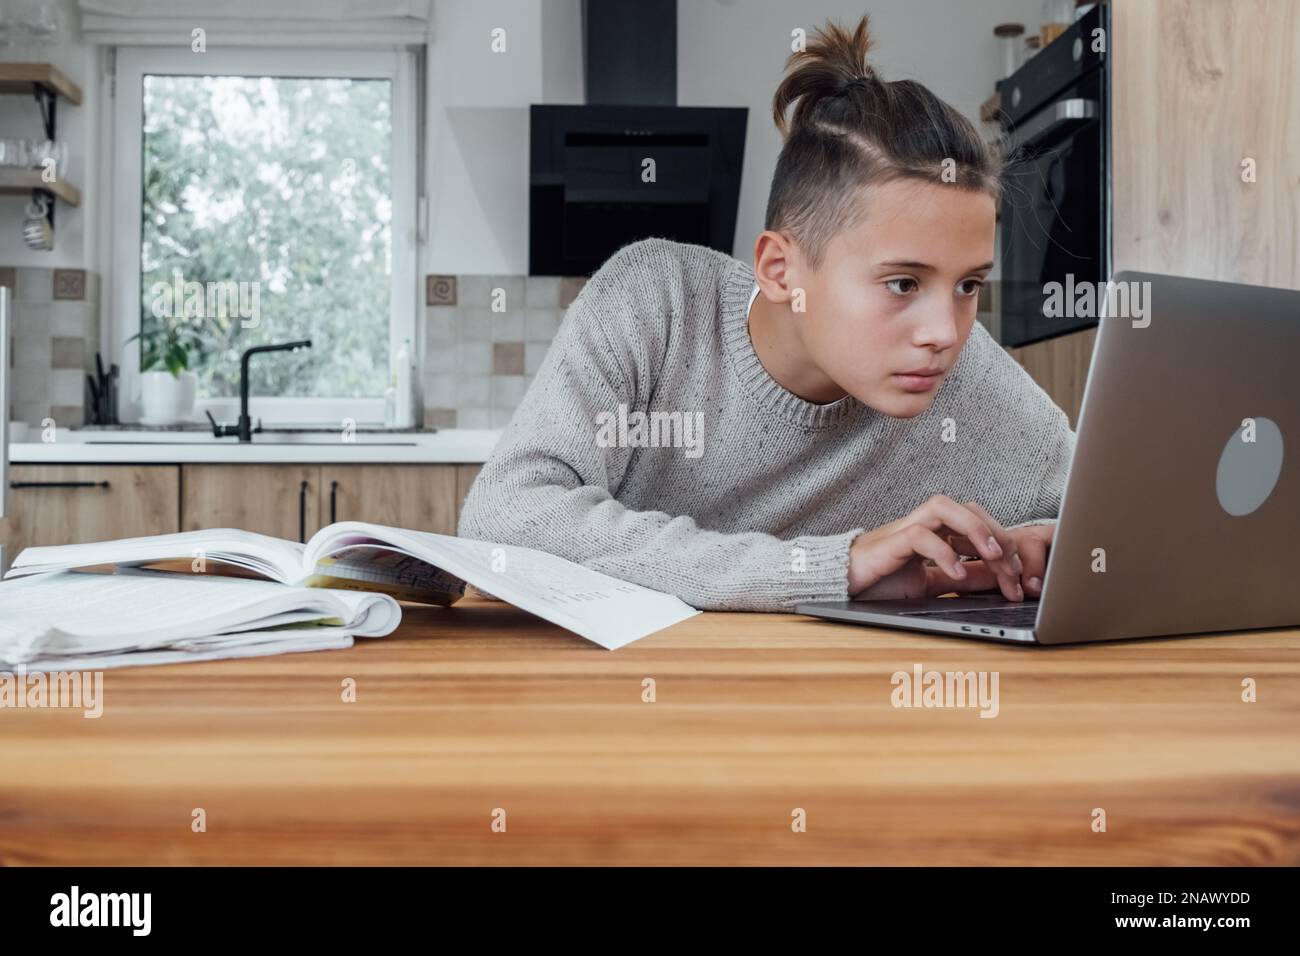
{"points": [[1013, 615]]}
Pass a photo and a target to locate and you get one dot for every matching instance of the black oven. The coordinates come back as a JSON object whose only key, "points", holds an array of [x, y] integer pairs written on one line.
{"points": [[1054, 215]]}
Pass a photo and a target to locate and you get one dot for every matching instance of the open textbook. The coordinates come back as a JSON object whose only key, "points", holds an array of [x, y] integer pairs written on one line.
{"points": [[411, 565]]}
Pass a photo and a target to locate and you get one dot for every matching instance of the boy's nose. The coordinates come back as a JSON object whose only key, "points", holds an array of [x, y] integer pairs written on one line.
{"points": [[938, 330]]}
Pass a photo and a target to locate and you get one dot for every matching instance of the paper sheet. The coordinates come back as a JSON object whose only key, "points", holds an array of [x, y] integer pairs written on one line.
{"points": [[605, 610]]}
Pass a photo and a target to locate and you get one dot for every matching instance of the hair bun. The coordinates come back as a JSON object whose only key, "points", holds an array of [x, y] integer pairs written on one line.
{"points": [[832, 62]]}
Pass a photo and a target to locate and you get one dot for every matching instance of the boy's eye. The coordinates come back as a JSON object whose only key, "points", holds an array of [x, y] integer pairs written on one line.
{"points": [[969, 287], [902, 286]]}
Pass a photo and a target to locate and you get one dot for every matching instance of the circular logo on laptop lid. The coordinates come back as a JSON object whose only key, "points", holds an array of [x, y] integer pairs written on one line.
{"points": [[1250, 466]]}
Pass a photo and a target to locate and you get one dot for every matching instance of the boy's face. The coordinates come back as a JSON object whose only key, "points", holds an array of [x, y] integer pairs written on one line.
{"points": [[897, 293]]}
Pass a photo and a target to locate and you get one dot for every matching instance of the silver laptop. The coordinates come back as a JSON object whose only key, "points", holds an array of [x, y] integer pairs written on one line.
{"points": [[1182, 508]]}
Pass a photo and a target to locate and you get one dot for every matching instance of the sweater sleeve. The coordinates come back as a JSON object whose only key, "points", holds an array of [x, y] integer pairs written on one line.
{"points": [[1058, 452], [549, 484]]}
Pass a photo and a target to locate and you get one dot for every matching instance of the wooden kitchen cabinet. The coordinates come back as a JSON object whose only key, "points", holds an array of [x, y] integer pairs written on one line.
{"points": [[279, 500], [419, 497], [465, 475], [71, 504], [1205, 139]]}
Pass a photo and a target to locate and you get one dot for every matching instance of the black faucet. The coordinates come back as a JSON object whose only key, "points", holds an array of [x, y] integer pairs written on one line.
{"points": [[245, 429]]}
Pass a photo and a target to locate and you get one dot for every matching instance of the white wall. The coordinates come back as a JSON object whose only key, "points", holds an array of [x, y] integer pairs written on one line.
{"points": [[477, 169], [74, 229]]}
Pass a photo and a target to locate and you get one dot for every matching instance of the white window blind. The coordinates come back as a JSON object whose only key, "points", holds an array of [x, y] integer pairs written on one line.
{"points": [[352, 23]]}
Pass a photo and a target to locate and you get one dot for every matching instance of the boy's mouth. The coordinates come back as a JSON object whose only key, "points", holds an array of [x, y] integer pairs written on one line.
{"points": [[919, 380]]}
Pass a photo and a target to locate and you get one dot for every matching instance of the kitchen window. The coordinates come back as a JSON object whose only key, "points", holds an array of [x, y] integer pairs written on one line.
{"points": [[266, 196]]}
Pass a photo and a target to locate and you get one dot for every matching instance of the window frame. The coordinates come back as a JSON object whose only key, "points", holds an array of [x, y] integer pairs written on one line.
{"points": [[399, 67]]}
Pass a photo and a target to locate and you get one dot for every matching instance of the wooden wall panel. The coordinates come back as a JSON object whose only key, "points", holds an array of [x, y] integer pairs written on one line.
{"points": [[1199, 86]]}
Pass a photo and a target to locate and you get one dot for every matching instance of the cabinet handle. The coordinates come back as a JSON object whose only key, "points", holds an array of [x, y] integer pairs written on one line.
{"points": [[334, 496], [1065, 113], [58, 484], [302, 512]]}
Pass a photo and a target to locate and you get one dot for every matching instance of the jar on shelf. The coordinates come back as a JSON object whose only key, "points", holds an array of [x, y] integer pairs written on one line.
{"points": [[1010, 47], [1057, 16], [15, 152]]}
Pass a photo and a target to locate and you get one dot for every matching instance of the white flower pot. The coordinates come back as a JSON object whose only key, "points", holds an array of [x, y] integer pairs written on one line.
{"points": [[167, 399]]}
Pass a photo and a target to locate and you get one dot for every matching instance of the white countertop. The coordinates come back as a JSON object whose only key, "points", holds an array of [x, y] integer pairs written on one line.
{"points": [[453, 445]]}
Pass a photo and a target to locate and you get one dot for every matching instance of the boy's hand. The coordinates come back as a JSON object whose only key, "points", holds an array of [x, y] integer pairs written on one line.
{"points": [[1033, 542], [890, 561]]}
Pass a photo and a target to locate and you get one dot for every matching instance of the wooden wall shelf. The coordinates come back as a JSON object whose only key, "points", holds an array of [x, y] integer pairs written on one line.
{"points": [[47, 84], [21, 181], [30, 77]]}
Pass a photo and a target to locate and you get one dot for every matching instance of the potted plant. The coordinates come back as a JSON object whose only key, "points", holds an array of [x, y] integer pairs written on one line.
{"points": [[167, 385]]}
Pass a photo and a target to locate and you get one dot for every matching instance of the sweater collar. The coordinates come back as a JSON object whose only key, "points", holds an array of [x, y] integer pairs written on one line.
{"points": [[738, 293]]}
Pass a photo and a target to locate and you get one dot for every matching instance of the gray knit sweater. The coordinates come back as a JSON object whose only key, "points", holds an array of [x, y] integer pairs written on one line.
{"points": [[653, 446]]}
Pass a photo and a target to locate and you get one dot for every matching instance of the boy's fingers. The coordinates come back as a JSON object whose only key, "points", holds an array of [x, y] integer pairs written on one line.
{"points": [[1005, 538], [917, 540], [1033, 552], [943, 515], [979, 577], [884, 558], [1010, 580], [962, 545], [1005, 582]]}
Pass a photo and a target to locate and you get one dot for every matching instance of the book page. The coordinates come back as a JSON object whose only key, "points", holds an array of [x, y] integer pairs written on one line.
{"points": [[261, 554], [372, 567], [610, 612]]}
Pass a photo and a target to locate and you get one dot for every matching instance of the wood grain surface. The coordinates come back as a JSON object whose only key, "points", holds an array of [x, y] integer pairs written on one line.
{"points": [[1202, 94], [482, 708], [113, 501]]}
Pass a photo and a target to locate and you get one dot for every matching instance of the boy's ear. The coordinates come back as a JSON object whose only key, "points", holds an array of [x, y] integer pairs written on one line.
{"points": [[776, 265]]}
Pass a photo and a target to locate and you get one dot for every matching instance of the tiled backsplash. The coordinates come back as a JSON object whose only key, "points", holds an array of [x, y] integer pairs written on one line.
{"points": [[54, 334], [485, 337]]}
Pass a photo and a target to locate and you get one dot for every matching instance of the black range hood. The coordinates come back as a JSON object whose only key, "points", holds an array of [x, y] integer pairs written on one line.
{"points": [[588, 194]]}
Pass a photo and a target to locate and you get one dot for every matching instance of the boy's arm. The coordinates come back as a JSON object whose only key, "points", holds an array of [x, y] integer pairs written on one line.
{"points": [[1058, 453], [1025, 407], [548, 484]]}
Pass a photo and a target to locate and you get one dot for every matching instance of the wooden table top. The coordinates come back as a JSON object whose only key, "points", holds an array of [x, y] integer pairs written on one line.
{"points": [[480, 709]]}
